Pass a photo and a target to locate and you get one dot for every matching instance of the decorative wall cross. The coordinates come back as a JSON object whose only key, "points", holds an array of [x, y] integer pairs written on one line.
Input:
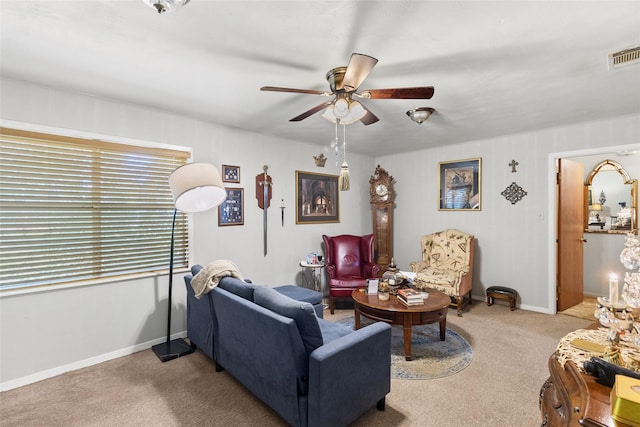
{"points": [[513, 165]]}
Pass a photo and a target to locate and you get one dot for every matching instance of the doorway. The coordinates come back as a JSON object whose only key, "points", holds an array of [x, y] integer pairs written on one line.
{"points": [[556, 260]]}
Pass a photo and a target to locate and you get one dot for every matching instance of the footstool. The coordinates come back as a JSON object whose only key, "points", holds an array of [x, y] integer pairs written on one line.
{"points": [[502, 292]]}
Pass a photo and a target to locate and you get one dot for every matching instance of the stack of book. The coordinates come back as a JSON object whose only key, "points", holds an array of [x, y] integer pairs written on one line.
{"points": [[410, 296]]}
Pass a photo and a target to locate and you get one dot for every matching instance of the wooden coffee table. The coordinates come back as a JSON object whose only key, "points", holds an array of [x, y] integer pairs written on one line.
{"points": [[434, 309]]}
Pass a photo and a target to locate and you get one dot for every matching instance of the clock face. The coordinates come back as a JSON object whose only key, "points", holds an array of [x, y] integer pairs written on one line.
{"points": [[381, 190]]}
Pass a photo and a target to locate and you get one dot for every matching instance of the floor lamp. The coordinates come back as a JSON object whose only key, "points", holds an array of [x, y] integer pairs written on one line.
{"points": [[195, 187]]}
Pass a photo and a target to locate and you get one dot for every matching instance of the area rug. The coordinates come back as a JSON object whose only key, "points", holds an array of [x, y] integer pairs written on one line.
{"points": [[431, 358], [584, 310]]}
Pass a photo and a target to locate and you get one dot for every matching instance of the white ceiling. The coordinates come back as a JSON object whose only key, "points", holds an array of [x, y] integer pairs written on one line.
{"points": [[498, 68]]}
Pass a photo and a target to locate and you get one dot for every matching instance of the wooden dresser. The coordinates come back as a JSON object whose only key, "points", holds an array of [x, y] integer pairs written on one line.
{"points": [[572, 398]]}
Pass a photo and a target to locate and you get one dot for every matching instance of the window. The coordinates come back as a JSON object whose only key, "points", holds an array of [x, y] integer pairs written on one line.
{"points": [[77, 209]]}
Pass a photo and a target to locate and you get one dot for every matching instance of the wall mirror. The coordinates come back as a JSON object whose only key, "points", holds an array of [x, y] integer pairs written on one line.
{"points": [[611, 198]]}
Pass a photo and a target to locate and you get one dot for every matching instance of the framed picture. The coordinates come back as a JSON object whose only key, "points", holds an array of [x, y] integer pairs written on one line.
{"points": [[317, 198], [459, 182], [231, 174], [231, 211]]}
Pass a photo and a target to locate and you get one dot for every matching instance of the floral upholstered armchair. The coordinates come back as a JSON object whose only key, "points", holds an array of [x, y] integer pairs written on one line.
{"points": [[447, 265]]}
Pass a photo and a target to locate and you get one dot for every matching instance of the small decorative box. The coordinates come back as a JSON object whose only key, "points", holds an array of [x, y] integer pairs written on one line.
{"points": [[625, 400]]}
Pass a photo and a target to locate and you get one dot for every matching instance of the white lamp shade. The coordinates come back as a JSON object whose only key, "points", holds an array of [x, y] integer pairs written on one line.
{"points": [[196, 187], [341, 108], [329, 114], [356, 112]]}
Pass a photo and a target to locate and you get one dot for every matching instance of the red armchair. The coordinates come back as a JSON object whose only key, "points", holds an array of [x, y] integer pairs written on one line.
{"points": [[349, 263]]}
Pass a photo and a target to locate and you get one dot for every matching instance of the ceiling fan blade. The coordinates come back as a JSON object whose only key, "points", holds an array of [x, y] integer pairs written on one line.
{"points": [[358, 69], [368, 118], [286, 89], [400, 93], [310, 112]]}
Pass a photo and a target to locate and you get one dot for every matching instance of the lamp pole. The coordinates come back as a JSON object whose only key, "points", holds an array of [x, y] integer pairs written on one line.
{"points": [[196, 187], [170, 350]]}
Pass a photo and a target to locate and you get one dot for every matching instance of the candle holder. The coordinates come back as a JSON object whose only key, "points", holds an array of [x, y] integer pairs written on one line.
{"points": [[615, 316]]}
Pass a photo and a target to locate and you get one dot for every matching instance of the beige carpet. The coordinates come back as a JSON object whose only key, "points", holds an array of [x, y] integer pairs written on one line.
{"points": [[499, 388], [584, 310]]}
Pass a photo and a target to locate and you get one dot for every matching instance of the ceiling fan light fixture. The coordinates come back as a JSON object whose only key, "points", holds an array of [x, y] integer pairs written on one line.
{"points": [[337, 114], [162, 6], [341, 108], [421, 114], [356, 111]]}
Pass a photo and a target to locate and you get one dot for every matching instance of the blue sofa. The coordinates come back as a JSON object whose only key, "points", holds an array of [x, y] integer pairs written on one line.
{"points": [[201, 321], [310, 371]]}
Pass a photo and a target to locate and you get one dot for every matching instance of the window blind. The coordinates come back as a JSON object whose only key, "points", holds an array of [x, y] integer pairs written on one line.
{"points": [[75, 209]]}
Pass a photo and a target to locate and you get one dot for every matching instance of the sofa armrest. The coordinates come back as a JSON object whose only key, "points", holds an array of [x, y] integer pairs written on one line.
{"points": [[349, 375], [201, 322]]}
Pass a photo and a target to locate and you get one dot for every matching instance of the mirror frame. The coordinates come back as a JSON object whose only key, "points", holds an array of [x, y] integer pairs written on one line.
{"points": [[626, 181]]}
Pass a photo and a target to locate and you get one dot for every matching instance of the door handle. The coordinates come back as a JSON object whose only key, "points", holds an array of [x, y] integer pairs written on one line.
{"points": [[583, 240]]}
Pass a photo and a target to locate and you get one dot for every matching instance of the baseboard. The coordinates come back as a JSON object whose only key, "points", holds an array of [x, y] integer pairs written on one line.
{"points": [[49, 373], [537, 309]]}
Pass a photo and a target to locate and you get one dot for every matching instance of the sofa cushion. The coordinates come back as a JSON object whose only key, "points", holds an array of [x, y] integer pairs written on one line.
{"points": [[332, 330], [300, 294], [238, 287], [305, 295], [438, 276], [301, 312]]}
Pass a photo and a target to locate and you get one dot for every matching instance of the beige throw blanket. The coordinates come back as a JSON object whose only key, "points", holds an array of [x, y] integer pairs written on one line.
{"points": [[209, 277]]}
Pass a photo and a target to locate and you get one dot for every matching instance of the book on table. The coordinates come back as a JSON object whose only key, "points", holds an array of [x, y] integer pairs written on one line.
{"points": [[411, 294], [409, 303]]}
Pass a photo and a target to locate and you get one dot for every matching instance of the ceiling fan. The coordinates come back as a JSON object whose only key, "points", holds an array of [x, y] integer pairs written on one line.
{"points": [[344, 83]]}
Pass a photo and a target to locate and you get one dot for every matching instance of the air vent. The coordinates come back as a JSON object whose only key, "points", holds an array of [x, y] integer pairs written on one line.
{"points": [[624, 58]]}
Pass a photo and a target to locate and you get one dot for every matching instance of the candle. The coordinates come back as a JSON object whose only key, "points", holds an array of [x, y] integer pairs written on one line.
{"points": [[613, 289]]}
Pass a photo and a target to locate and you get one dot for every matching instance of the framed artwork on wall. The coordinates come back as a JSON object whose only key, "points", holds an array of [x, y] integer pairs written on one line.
{"points": [[231, 173], [460, 185], [231, 211], [317, 198]]}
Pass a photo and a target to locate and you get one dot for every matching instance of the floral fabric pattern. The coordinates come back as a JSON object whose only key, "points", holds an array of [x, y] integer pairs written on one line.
{"points": [[445, 259]]}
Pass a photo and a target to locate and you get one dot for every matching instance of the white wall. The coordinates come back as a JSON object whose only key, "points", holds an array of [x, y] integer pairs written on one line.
{"points": [[51, 331], [513, 241], [48, 332]]}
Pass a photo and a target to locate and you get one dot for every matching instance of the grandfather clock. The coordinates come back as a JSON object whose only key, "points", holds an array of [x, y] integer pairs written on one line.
{"points": [[382, 198]]}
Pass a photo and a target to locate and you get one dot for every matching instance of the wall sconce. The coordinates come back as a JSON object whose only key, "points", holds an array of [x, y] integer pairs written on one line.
{"points": [[421, 114]]}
